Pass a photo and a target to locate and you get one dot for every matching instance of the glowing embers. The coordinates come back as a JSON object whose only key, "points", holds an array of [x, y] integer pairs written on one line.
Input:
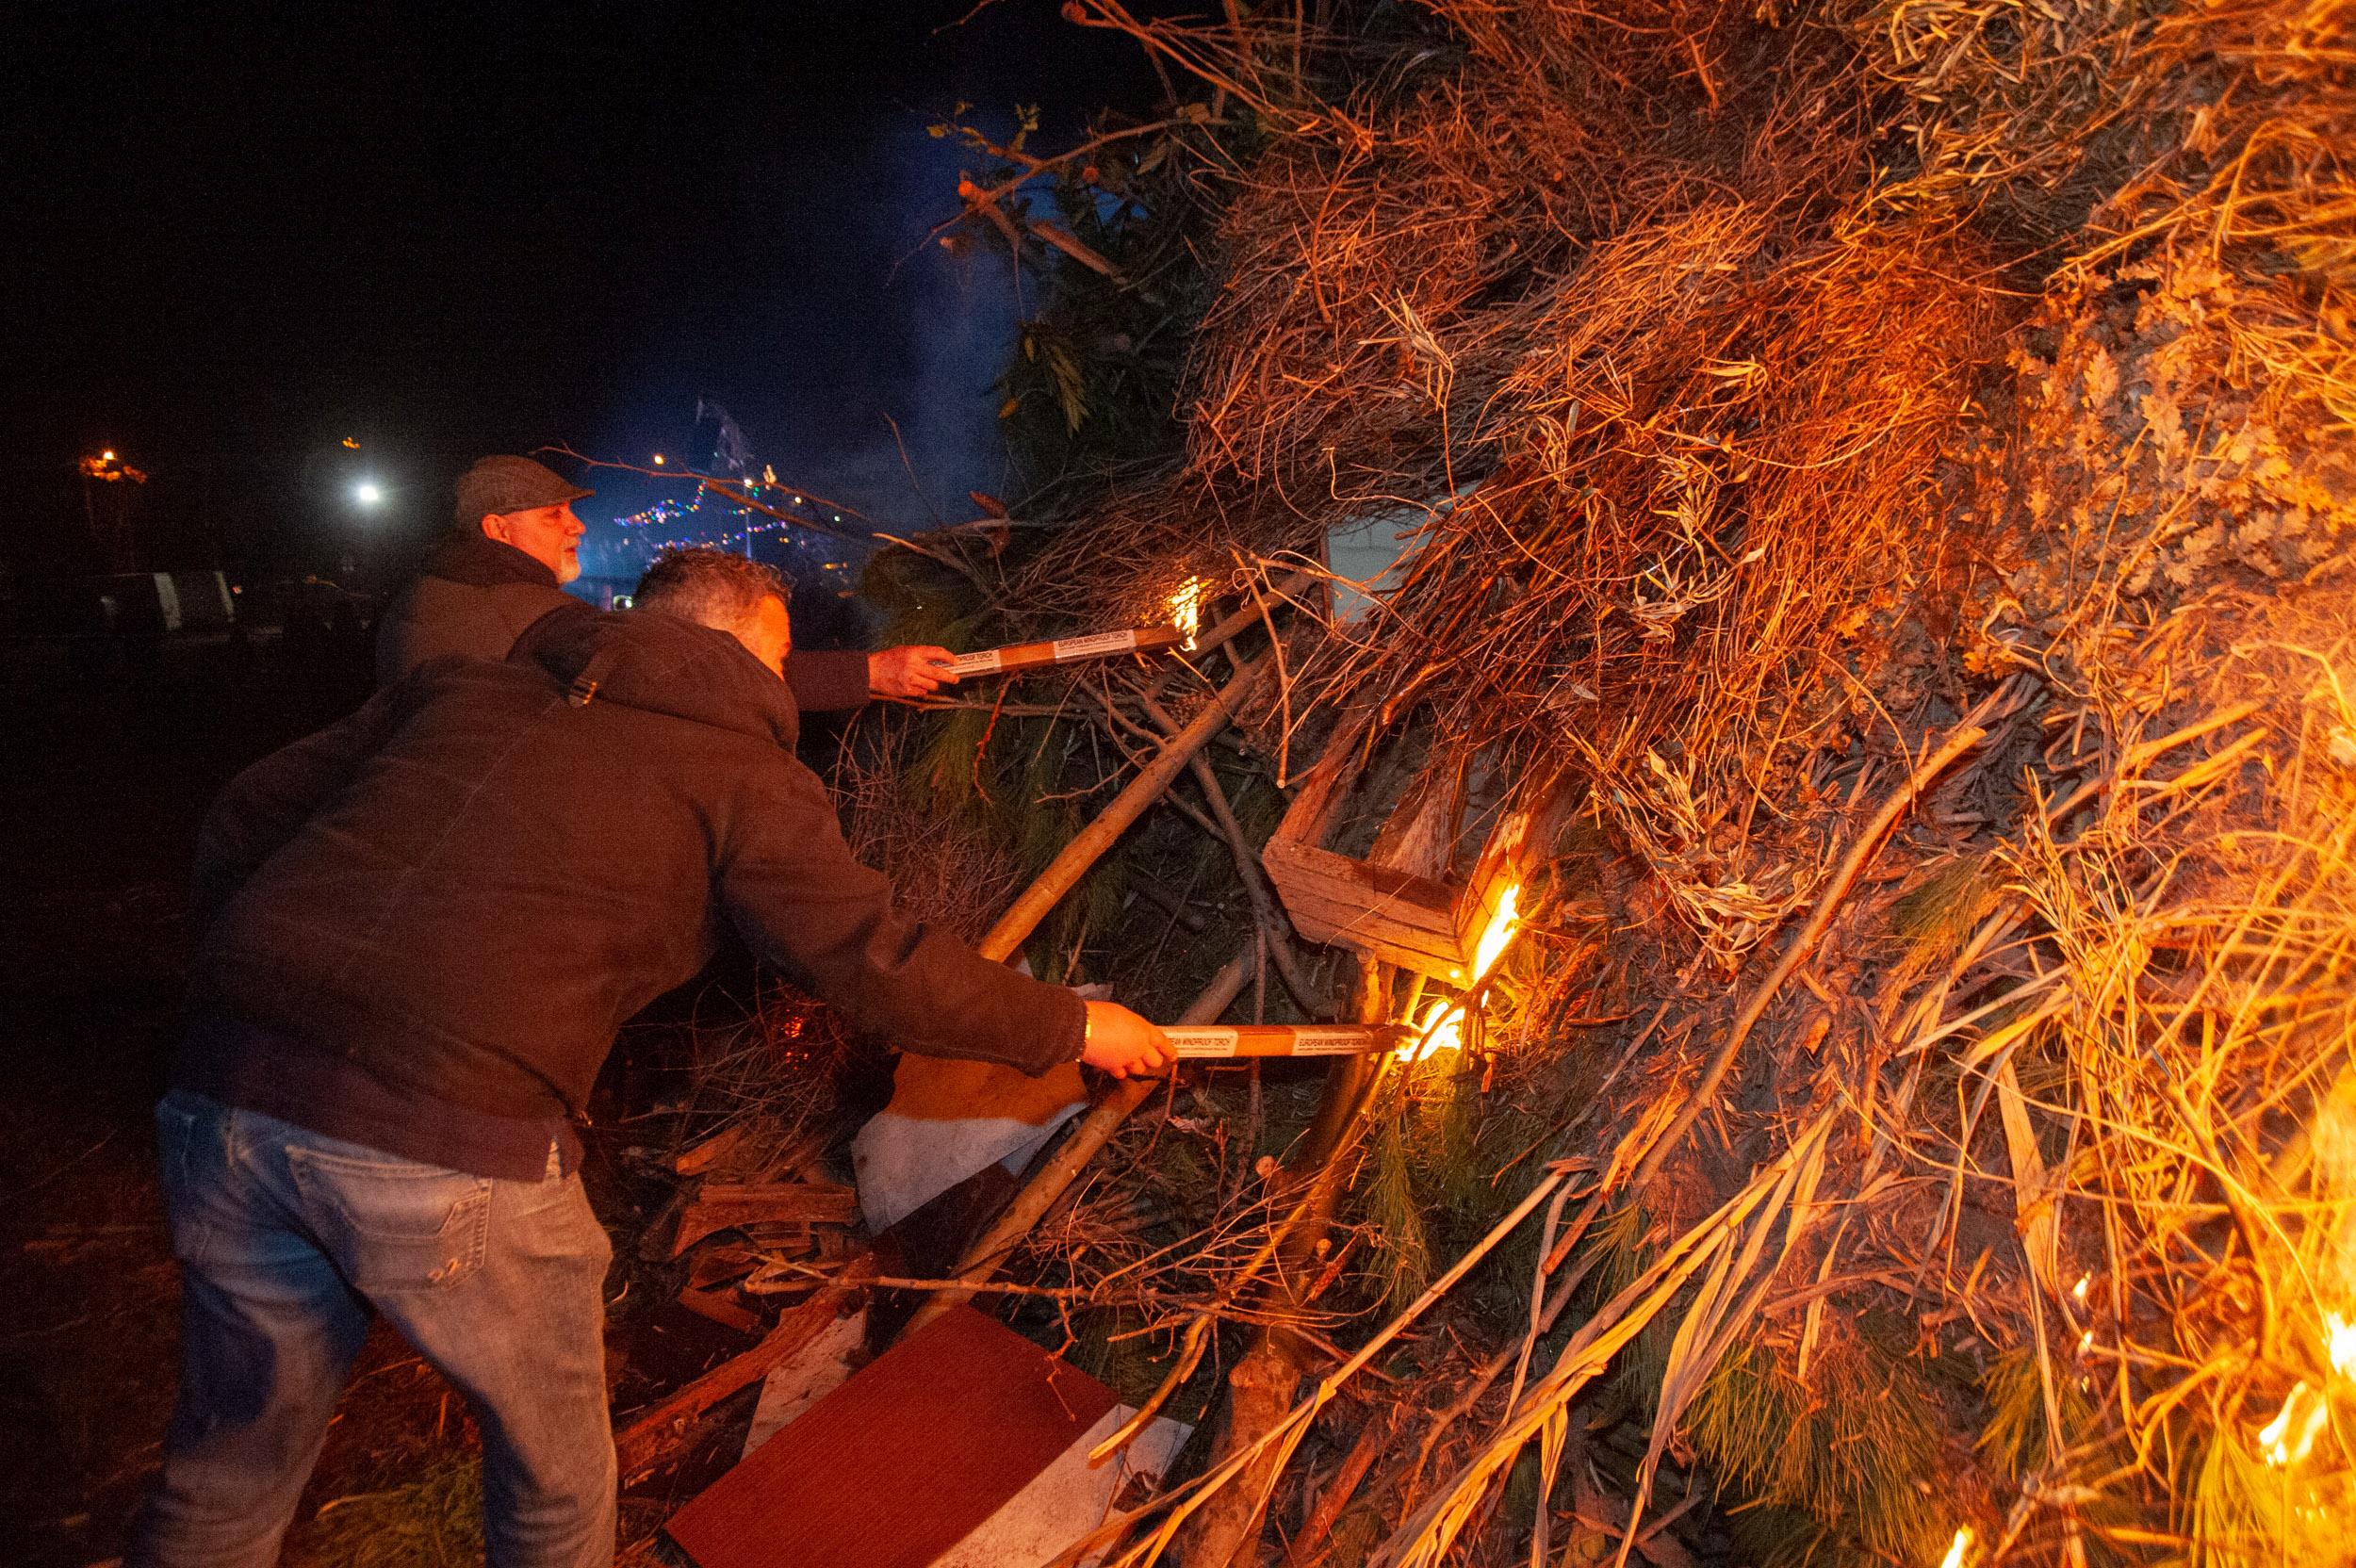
{"points": [[1186, 609], [1443, 1026]]}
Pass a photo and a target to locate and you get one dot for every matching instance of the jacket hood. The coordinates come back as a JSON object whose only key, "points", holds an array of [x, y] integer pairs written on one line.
{"points": [[644, 658], [478, 561]]}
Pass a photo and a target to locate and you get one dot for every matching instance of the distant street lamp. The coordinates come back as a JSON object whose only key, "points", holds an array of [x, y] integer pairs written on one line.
{"points": [[369, 493]]}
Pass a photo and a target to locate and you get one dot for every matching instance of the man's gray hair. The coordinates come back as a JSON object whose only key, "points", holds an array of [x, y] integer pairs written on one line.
{"points": [[710, 587]]}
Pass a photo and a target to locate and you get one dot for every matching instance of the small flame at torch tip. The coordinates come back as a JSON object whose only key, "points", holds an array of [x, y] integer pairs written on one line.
{"points": [[1186, 607], [1443, 1026], [1956, 1549], [1443, 1029]]}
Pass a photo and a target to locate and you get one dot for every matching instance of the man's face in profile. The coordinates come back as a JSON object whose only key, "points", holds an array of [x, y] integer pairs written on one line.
{"points": [[548, 534], [770, 637]]}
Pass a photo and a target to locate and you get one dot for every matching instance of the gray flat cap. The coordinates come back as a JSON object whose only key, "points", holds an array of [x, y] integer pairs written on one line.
{"points": [[500, 484]]}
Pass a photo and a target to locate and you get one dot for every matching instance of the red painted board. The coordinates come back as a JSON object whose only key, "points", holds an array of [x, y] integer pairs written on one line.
{"points": [[903, 1460]]}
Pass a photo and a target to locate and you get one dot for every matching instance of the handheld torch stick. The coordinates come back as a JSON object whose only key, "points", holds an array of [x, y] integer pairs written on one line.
{"points": [[1067, 650], [1213, 1041]]}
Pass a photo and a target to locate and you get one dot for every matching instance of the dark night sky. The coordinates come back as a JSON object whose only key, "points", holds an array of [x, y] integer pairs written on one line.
{"points": [[239, 234]]}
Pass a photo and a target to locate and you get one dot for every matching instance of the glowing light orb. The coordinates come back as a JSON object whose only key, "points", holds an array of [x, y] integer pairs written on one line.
{"points": [[367, 493]]}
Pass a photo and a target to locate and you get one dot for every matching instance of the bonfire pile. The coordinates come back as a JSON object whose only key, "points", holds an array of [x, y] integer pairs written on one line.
{"points": [[1886, 475]]}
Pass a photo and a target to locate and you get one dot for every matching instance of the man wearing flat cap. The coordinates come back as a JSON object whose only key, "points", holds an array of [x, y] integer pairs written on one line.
{"points": [[517, 542]]}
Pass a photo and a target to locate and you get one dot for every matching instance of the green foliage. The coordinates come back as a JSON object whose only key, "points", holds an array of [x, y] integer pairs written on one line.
{"points": [[2014, 1439], [1392, 1208], [1932, 918], [1831, 1470], [1099, 239], [435, 1521], [1047, 363]]}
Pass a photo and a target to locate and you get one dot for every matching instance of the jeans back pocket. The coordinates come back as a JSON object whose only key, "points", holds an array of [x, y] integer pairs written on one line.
{"points": [[393, 1224]]}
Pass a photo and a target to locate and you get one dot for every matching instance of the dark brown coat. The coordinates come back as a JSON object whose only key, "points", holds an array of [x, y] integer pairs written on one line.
{"points": [[477, 595], [465, 888]]}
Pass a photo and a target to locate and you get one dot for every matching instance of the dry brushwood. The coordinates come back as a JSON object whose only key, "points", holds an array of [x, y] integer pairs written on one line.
{"points": [[1896, 462]]}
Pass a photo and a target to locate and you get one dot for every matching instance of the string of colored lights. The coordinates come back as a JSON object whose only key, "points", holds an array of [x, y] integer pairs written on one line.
{"points": [[728, 525]]}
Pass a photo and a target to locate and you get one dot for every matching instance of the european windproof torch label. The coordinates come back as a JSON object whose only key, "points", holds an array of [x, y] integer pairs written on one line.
{"points": [[1094, 646], [1274, 1039], [1065, 650]]}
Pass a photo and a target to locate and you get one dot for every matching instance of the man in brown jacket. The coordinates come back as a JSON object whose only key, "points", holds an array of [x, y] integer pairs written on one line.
{"points": [[517, 543], [418, 934]]}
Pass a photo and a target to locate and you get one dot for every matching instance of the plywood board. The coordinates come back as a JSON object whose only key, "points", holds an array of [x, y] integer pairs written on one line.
{"points": [[902, 1461]]}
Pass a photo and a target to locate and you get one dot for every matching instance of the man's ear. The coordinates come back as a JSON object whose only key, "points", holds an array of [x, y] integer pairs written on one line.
{"points": [[488, 531]]}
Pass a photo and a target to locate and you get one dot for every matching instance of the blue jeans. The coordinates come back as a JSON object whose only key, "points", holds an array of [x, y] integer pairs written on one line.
{"points": [[287, 1240]]}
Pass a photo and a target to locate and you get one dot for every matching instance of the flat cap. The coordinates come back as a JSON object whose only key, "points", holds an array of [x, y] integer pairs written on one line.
{"points": [[503, 484]]}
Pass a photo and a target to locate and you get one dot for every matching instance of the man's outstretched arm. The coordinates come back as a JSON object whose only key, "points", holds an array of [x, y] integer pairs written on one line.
{"points": [[791, 886], [825, 681]]}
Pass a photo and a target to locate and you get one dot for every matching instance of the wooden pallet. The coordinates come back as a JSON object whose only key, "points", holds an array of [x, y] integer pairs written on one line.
{"points": [[1400, 913]]}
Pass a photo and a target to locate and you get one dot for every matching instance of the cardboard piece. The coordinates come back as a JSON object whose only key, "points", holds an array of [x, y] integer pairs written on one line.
{"points": [[948, 1120]]}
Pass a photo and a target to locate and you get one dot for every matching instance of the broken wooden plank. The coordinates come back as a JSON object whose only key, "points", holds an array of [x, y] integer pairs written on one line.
{"points": [[738, 1204], [722, 1148], [717, 1306], [720, 1266], [642, 1445], [956, 1420]]}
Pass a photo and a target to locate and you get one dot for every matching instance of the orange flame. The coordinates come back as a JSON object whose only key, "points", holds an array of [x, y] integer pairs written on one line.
{"points": [[1186, 607], [1443, 1028]]}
